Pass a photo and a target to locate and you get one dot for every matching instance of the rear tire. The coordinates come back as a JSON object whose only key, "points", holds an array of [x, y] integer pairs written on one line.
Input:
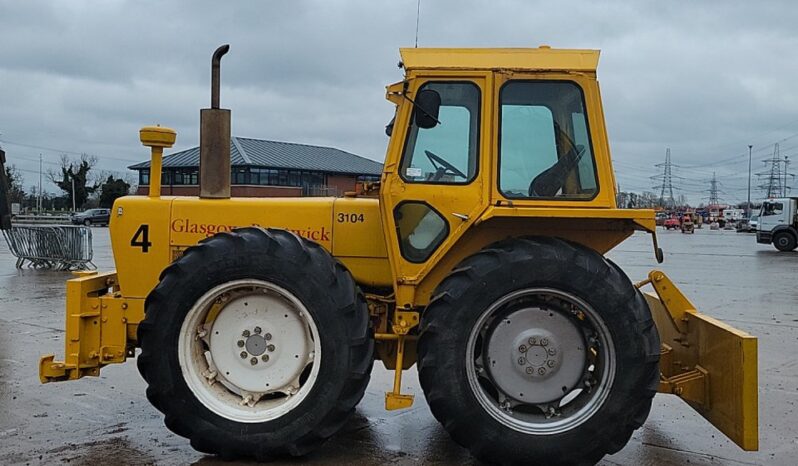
{"points": [[305, 330], [538, 288], [784, 241], [87, 222]]}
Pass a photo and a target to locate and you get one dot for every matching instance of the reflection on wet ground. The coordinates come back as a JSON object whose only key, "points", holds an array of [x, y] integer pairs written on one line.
{"points": [[108, 419]]}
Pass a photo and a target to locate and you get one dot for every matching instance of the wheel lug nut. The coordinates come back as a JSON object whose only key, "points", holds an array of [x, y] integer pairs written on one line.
{"points": [[270, 347], [552, 351], [533, 341], [245, 333], [521, 361], [522, 348], [265, 358], [529, 370], [268, 336], [257, 330], [544, 341], [541, 370], [243, 355], [550, 363], [253, 361], [240, 343]]}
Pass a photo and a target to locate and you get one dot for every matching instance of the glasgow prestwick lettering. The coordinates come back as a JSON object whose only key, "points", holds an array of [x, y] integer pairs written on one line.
{"points": [[184, 225]]}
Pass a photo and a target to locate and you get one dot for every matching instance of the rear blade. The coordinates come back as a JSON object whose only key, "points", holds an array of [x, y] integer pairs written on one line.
{"points": [[709, 364]]}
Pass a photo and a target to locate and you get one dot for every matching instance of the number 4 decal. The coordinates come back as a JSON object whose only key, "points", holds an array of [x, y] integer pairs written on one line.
{"points": [[141, 239]]}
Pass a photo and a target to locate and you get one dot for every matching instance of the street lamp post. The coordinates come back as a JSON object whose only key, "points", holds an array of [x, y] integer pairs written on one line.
{"points": [[748, 204]]}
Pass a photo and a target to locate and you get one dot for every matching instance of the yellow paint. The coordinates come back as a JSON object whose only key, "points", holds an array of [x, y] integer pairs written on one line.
{"points": [[97, 321], [157, 139], [139, 270], [529, 59], [709, 364], [395, 399], [717, 371], [358, 218]]}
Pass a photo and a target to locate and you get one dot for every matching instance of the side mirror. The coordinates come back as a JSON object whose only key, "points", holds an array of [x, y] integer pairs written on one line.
{"points": [[428, 104], [389, 127]]}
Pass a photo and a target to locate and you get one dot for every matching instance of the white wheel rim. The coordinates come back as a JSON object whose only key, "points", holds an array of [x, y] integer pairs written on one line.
{"points": [[578, 404], [249, 351]]}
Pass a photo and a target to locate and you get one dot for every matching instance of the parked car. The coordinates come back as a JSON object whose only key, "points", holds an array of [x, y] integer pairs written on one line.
{"points": [[92, 217], [673, 223], [753, 222]]}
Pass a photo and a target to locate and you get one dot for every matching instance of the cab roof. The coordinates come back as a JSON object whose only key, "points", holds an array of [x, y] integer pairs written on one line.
{"points": [[543, 58]]}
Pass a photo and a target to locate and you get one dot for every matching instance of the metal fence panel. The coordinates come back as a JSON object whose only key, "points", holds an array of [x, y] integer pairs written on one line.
{"points": [[53, 247]]}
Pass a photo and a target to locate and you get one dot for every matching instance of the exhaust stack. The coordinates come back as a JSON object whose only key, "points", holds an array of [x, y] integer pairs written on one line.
{"points": [[214, 168]]}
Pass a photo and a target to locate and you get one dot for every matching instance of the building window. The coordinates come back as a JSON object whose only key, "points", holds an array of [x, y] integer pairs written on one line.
{"points": [[259, 176], [312, 179], [191, 176], [178, 177], [272, 179], [293, 178], [282, 177], [307, 180], [240, 175]]}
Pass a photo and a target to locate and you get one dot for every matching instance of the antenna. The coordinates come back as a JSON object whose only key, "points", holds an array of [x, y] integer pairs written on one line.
{"points": [[418, 15]]}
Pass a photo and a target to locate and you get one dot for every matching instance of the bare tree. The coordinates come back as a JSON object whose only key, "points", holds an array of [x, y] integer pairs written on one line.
{"points": [[73, 178]]}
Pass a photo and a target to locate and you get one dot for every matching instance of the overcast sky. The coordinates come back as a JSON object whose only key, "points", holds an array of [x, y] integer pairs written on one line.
{"points": [[702, 78]]}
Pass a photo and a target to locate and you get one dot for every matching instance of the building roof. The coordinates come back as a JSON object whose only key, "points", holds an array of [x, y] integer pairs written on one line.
{"points": [[543, 58], [275, 154]]}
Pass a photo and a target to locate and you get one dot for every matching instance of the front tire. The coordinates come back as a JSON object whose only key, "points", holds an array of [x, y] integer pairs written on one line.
{"points": [[255, 344], [87, 222], [538, 351], [784, 241]]}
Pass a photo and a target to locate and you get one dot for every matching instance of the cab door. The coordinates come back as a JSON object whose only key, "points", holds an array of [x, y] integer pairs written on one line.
{"points": [[772, 215], [434, 183]]}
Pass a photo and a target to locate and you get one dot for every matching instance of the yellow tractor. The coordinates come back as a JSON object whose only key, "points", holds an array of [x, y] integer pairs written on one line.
{"points": [[479, 255]]}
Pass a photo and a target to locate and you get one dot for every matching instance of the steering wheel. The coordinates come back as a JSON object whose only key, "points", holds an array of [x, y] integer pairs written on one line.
{"points": [[443, 167]]}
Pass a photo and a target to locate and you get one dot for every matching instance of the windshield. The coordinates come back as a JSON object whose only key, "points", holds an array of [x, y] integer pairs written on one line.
{"points": [[447, 152]]}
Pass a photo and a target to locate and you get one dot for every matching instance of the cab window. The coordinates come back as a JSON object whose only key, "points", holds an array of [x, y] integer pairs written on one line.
{"points": [[421, 230], [772, 208], [544, 144], [446, 153]]}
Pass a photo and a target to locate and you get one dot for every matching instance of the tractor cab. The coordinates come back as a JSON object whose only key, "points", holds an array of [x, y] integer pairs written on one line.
{"points": [[482, 136]]}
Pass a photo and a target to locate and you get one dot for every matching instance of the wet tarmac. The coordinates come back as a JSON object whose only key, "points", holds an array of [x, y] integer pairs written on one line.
{"points": [[107, 420]]}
